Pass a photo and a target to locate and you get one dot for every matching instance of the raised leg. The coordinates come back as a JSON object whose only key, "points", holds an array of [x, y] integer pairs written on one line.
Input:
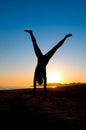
{"points": [[53, 50], [36, 48]]}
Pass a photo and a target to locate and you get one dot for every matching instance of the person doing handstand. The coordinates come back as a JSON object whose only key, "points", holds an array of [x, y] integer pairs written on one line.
{"points": [[40, 71]]}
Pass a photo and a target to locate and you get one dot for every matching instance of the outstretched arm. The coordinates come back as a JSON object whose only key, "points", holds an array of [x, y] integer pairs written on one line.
{"points": [[34, 83], [45, 83], [36, 48], [53, 50]]}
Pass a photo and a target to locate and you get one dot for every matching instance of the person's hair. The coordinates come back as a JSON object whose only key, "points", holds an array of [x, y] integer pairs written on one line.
{"points": [[40, 81]]}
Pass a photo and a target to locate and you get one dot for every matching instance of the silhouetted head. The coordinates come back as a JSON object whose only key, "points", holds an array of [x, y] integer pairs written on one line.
{"points": [[40, 81]]}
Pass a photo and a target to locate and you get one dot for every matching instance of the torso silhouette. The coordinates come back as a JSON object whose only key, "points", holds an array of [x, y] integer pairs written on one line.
{"points": [[40, 71]]}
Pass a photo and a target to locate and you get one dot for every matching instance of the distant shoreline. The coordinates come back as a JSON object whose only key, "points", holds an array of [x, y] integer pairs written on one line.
{"points": [[49, 85]]}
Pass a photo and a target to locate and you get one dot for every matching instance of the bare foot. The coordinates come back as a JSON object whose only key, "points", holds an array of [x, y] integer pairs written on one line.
{"points": [[68, 35], [29, 31]]}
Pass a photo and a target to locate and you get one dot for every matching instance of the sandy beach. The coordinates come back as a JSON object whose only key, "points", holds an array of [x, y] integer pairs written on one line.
{"points": [[61, 107]]}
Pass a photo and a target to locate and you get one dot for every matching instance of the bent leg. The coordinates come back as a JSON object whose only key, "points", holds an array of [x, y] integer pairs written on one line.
{"points": [[36, 48], [53, 50]]}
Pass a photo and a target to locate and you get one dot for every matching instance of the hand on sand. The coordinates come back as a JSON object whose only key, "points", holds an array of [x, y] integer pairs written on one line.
{"points": [[29, 31]]}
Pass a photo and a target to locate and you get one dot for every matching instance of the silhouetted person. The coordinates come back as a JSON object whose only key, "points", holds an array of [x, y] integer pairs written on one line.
{"points": [[40, 71]]}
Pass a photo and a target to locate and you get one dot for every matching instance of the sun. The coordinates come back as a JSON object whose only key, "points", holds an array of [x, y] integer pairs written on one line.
{"points": [[54, 77]]}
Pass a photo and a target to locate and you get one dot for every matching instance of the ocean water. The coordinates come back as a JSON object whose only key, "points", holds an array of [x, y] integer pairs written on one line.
{"points": [[13, 87], [22, 87]]}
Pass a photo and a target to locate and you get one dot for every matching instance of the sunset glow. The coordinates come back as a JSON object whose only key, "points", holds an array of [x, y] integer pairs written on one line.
{"points": [[54, 77]]}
